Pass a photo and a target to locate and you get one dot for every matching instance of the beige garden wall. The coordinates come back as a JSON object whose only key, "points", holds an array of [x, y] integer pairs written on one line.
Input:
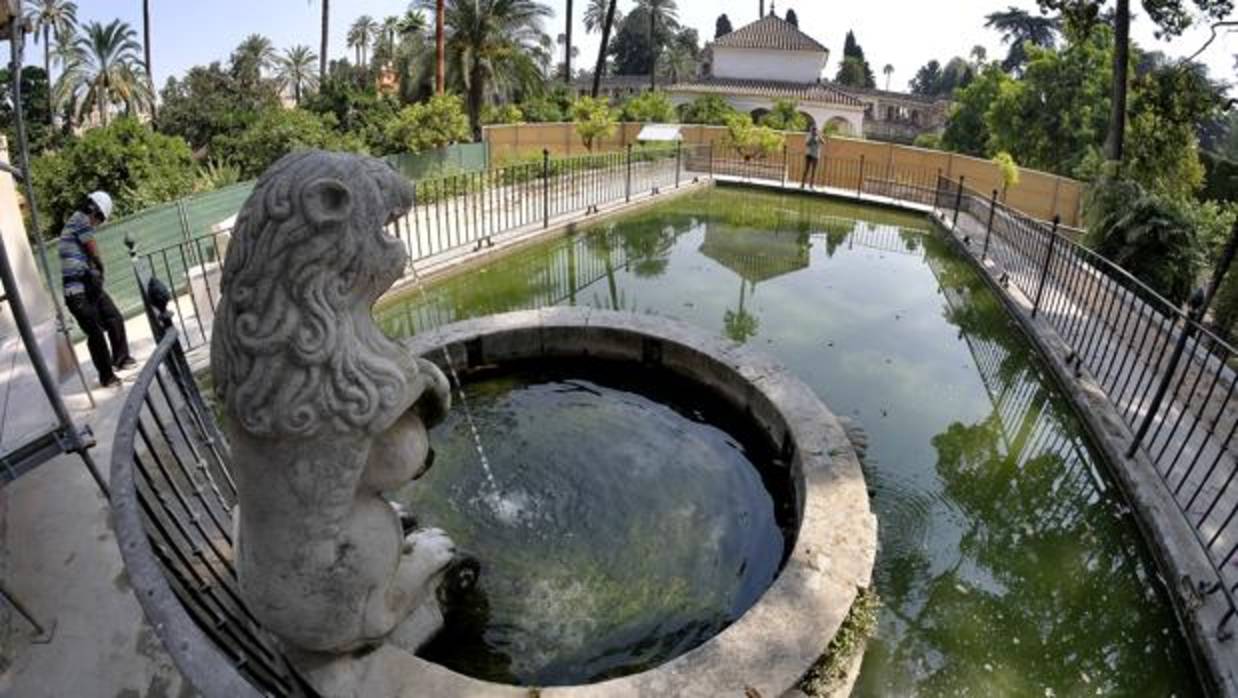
{"points": [[1038, 194]]}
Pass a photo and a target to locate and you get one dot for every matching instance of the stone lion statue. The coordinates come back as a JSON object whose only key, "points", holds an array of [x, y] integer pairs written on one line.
{"points": [[324, 412]]}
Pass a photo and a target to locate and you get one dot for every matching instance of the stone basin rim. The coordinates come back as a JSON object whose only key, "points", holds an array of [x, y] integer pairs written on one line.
{"points": [[777, 640]]}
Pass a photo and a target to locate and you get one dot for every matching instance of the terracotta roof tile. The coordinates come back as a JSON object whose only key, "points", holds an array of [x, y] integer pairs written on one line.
{"points": [[811, 92], [770, 32]]}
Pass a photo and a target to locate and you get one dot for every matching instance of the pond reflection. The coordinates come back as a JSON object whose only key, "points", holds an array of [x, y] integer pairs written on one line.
{"points": [[1008, 565]]}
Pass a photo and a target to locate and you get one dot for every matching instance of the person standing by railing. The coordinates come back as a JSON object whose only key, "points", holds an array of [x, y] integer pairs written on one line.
{"points": [[812, 156], [82, 273]]}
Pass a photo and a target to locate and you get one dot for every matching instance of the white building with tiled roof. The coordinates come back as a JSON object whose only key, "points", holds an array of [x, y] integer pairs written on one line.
{"points": [[772, 59]]}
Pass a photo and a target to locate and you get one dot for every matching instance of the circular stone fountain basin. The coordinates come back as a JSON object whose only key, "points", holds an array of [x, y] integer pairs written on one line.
{"points": [[623, 516], [669, 401]]}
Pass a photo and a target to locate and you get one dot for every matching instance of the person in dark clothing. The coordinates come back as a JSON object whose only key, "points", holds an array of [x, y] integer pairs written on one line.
{"points": [[82, 273], [812, 154]]}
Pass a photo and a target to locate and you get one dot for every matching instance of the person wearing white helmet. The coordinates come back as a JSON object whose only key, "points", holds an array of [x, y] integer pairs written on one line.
{"points": [[82, 273]]}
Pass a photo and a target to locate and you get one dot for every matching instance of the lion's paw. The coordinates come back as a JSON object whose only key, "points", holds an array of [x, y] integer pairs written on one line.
{"points": [[429, 549]]}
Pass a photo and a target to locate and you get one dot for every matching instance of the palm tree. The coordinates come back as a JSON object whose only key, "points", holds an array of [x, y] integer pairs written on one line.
{"points": [[1019, 27], [52, 17], [591, 19], [104, 69], [322, 55], [387, 41], [979, 55], [440, 46], [667, 12], [254, 56], [569, 52], [888, 70], [679, 63], [363, 30], [150, 74], [494, 45], [353, 39], [296, 69], [595, 15]]}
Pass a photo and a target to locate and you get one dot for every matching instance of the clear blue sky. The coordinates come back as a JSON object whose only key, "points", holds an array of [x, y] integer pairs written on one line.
{"points": [[904, 33]]}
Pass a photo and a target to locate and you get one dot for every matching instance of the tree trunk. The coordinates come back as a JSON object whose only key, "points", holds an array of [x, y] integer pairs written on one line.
{"points": [[322, 56], [477, 93], [653, 49], [47, 67], [440, 50], [567, 52], [601, 68], [150, 74], [1116, 140]]}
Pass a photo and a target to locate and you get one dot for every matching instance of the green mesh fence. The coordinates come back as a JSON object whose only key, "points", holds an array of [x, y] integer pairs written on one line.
{"points": [[464, 157], [162, 231]]}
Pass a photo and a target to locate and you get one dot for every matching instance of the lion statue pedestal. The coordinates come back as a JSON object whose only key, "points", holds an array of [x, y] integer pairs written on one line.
{"points": [[324, 413]]}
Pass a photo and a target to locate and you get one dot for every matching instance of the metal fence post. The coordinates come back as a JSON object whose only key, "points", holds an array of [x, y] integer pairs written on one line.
{"points": [[784, 165], [678, 161], [1188, 329], [545, 187], [859, 187], [1044, 272], [958, 203], [627, 187], [988, 231]]}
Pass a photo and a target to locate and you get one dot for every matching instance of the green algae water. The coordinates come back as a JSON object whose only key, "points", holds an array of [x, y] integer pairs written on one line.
{"points": [[1008, 563]]}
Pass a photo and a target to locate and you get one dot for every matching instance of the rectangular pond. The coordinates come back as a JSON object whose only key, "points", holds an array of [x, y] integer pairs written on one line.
{"points": [[1008, 563]]}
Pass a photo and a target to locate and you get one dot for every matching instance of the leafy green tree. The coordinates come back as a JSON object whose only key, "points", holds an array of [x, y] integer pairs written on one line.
{"points": [[138, 166], [34, 92], [492, 45], [710, 110], [1058, 111], [51, 18], [1162, 150], [722, 26], [594, 119], [277, 132], [502, 114], [210, 102], [355, 110], [103, 71], [785, 116], [967, 130], [853, 55], [649, 107], [631, 51], [927, 78], [295, 69], [1172, 17], [1019, 28], [931, 141], [437, 122]]}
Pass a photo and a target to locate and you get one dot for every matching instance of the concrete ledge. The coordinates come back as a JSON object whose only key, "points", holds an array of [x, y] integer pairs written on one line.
{"points": [[769, 649]]}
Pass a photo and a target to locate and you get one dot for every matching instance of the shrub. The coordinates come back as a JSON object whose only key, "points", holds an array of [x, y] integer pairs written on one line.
{"points": [[594, 119], [278, 132], [542, 110], [435, 123], [1008, 170], [503, 114], [710, 110], [649, 107], [750, 140], [785, 116], [139, 167], [1147, 235], [932, 141]]}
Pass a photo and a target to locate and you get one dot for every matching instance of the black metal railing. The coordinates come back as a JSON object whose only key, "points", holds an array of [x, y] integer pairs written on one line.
{"points": [[172, 505], [1169, 377], [452, 215]]}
